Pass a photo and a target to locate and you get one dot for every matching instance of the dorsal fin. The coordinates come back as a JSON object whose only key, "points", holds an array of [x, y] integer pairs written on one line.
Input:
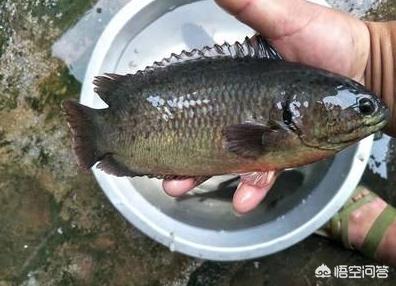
{"points": [[255, 47], [106, 85]]}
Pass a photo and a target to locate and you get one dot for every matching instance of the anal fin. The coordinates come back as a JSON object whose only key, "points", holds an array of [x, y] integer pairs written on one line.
{"points": [[197, 180], [112, 167]]}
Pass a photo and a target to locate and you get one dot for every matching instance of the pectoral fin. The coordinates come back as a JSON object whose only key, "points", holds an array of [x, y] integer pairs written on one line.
{"points": [[251, 140]]}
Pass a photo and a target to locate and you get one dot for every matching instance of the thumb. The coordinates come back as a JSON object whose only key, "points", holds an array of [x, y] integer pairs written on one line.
{"points": [[308, 33], [272, 19]]}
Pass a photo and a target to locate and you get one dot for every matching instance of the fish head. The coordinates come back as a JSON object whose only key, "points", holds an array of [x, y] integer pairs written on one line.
{"points": [[344, 113], [330, 112]]}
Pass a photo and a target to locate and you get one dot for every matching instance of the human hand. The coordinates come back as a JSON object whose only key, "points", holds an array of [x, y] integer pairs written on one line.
{"points": [[302, 32]]}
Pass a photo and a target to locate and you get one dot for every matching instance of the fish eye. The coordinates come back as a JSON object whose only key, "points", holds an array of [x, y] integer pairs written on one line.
{"points": [[366, 106]]}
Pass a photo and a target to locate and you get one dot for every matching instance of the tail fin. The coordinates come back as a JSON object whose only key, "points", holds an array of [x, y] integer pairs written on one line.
{"points": [[81, 119]]}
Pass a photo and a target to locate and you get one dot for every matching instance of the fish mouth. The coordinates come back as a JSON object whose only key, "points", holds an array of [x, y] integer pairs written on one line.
{"points": [[382, 119], [359, 132], [378, 125], [379, 121]]}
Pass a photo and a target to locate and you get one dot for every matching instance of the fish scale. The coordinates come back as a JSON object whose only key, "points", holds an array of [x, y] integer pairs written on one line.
{"points": [[197, 115]]}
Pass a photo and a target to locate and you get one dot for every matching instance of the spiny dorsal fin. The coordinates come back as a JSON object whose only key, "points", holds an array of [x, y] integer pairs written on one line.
{"points": [[255, 47]]}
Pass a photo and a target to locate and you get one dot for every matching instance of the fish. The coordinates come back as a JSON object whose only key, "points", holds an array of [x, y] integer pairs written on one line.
{"points": [[225, 109]]}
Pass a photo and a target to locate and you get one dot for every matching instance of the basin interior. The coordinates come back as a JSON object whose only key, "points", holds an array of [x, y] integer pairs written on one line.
{"points": [[165, 27], [209, 206]]}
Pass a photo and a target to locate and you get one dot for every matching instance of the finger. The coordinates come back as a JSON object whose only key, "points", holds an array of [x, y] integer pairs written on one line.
{"points": [[248, 196], [176, 188], [273, 19]]}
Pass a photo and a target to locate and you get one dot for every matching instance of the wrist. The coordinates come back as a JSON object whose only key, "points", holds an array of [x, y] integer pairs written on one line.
{"points": [[381, 66]]}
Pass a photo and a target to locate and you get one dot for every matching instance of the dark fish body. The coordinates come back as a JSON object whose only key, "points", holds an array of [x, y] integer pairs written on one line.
{"points": [[220, 115]]}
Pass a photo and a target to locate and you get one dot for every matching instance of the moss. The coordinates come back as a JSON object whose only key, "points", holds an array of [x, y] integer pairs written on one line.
{"points": [[53, 90], [28, 213], [52, 241], [4, 28], [3, 40], [9, 96], [3, 141], [39, 20], [64, 13], [386, 11]]}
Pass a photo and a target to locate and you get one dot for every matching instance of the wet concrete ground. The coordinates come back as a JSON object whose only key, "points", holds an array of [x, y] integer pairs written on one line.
{"points": [[56, 226]]}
